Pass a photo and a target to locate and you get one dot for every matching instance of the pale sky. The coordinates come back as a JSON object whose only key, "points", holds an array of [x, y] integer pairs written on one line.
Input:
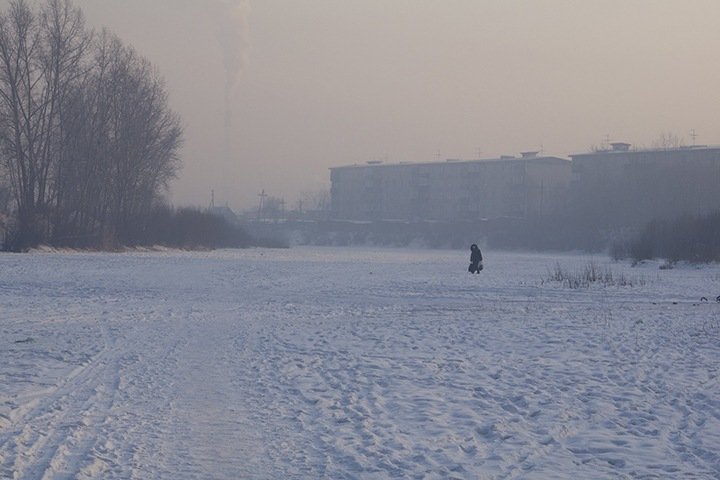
{"points": [[323, 83]]}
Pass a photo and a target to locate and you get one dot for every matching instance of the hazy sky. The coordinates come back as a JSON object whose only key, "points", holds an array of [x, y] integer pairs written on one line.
{"points": [[321, 83]]}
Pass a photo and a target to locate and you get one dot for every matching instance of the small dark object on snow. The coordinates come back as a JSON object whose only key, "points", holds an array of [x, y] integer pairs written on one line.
{"points": [[703, 299], [475, 269], [717, 299], [27, 340]]}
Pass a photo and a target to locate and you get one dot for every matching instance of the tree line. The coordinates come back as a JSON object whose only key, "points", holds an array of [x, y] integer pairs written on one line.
{"points": [[88, 142], [690, 238]]}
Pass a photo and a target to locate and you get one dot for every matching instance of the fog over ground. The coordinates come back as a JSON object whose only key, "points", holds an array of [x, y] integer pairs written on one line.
{"points": [[273, 92]]}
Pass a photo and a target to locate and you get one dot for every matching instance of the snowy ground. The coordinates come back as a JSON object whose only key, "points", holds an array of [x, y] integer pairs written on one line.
{"points": [[353, 363]]}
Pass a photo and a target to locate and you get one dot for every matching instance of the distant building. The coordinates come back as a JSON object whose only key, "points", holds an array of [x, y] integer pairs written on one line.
{"points": [[451, 190], [624, 186], [224, 212]]}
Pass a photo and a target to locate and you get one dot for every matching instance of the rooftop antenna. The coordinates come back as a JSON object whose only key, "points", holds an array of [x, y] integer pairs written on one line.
{"points": [[693, 135]]}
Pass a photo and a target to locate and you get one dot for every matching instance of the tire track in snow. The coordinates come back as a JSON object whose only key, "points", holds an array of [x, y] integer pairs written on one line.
{"points": [[80, 427], [54, 432]]}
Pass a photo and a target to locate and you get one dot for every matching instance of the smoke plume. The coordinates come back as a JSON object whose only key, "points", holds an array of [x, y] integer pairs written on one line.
{"points": [[230, 18]]}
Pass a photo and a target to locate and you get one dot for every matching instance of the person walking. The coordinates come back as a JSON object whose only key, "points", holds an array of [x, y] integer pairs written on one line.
{"points": [[476, 258]]}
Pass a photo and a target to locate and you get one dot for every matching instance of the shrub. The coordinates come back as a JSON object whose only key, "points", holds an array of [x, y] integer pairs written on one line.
{"points": [[689, 238], [590, 274], [186, 228]]}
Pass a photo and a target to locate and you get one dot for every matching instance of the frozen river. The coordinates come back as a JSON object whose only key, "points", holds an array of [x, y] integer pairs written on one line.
{"points": [[354, 363]]}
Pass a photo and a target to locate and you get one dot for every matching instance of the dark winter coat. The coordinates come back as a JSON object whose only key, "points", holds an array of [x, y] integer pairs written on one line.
{"points": [[475, 254]]}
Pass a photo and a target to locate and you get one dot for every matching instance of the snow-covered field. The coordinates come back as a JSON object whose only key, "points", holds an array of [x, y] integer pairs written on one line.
{"points": [[354, 363]]}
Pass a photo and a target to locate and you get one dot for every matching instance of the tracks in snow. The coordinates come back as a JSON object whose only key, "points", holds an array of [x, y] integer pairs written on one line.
{"points": [[190, 367]]}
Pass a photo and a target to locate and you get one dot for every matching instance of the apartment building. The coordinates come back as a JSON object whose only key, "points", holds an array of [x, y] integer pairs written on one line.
{"points": [[453, 190], [626, 186]]}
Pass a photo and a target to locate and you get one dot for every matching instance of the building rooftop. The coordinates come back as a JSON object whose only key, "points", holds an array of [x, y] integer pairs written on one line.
{"points": [[526, 156], [619, 148]]}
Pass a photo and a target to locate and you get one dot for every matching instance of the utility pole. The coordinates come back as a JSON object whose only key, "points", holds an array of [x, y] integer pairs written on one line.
{"points": [[693, 135], [212, 198], [262, 196]]}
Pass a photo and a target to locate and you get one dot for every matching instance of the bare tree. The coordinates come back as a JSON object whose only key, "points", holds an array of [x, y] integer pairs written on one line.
{"points": [[82, 198], [20, 97], [88, 142], [65, 41], [40, 56], [668, 140], [145, 136], [316, 200], [87, 138], [124, 141]]}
